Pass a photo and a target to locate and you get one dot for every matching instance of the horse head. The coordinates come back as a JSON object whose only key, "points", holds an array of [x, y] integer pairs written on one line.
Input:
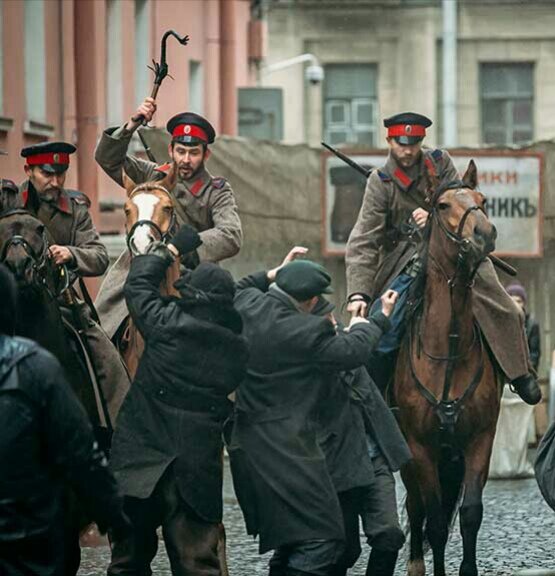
{"points": [[460, 233], [149, 211]]}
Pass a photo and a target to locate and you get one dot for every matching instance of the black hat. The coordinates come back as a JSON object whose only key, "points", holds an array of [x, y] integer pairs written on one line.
{"points": [[407, 128], [190, 128], [304, 279], [52, 157], [208, 282], [323, 307]]}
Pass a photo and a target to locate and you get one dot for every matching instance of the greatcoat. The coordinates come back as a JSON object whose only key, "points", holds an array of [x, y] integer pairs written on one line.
{"points": [[279, 469], [69, 224], [208, 204], [378, 250]]}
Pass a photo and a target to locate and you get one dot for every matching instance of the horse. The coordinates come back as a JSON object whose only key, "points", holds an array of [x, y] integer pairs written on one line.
{"points": [[150, 216], [446, 385], [24, 245]]}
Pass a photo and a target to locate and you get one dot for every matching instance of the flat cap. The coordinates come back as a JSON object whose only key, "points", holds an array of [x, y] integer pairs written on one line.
{"points": [[52, 157], [407, 127], [323, 307], [190, 129], [303, 279]]}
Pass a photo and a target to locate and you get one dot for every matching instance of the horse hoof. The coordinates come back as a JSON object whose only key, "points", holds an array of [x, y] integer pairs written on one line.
{"points": [[416, 568]]}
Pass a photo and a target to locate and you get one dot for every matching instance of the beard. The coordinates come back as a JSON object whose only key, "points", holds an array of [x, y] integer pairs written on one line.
{"points": [[187, 172], [50, 196], [407, 161]]}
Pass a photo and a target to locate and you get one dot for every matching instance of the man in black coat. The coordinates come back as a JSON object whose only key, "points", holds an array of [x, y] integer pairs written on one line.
{"points": [[167, 447], [46, 446], [363, 446], [280, 472]]}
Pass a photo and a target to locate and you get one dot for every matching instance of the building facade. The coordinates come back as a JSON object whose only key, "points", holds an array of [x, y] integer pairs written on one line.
{"points": [[384, 56], [70, 68]]}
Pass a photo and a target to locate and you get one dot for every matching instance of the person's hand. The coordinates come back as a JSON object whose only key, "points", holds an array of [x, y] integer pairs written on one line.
{"points": [[357, 308], [389, 298], [354, 321], [185, 240], [293, 254], [420, 216], [147, 109], [60, 254]]}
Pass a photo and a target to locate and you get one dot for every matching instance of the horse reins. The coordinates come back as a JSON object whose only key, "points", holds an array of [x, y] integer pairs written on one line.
{"points": [[162, 236], [449, 410]]}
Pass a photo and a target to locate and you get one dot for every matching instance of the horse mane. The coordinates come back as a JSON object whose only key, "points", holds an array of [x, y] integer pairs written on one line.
{"points": [[10, 198]]}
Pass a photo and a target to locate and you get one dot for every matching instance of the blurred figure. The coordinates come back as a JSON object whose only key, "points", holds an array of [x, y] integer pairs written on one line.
{"points": [[517, 292], [46, 446]]}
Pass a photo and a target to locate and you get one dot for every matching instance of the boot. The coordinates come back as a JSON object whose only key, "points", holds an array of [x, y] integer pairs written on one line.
{"points": [[381, 563], [527, 388]]}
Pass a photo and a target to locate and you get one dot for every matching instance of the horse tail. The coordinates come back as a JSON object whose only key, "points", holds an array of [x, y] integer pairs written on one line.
{"points": [[451, 470]]}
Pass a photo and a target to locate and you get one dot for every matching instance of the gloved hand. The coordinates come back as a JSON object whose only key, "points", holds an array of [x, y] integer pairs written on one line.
{"points": [[186, 239]]}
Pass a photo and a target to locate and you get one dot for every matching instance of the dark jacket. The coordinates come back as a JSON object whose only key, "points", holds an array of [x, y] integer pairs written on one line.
{"points": [[280, 473], [178, 401], [534, 340], [46, 444]]}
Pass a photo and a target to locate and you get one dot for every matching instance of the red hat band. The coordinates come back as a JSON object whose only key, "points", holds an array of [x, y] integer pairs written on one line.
{"points": [[190, 130], [48, 158], [406, 130]]}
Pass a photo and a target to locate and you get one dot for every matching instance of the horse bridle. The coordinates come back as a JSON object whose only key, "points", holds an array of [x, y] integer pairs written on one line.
{"points": [[40, 262], [162, 236], [448, 410]]}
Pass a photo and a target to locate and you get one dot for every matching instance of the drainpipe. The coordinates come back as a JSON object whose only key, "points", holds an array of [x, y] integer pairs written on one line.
{"points": [[228, 82], [449, 73]]}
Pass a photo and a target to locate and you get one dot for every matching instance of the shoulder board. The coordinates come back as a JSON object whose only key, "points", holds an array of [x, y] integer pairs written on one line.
{"points": [[383, 176], [437, 154], [165, 168], [219, 183], [79, 197]]}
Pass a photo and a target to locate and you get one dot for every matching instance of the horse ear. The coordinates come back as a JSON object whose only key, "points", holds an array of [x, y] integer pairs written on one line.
{"points": [[128, 183], [470, 177], [170, 179]]}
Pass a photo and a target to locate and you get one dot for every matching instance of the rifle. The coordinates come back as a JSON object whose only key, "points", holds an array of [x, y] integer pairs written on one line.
{"points": [[364, 171], [160, 69]]}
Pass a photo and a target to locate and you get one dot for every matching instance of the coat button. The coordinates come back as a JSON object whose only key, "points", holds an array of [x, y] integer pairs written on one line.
{"points": [[161, 392]]}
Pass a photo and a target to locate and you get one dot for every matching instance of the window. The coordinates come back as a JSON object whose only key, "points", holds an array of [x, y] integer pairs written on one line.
{"points": [[507, 103], [350, 104], [142, 73], [35, 61], [114, 70], [195, 87]]}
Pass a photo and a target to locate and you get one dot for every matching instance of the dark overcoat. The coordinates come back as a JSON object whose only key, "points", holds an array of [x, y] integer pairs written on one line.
{"points": [[378, 249], [280, 472], [177, 403]]}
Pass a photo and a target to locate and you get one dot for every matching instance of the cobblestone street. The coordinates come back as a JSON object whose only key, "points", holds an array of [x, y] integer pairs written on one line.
{"points": [[517, 533]]}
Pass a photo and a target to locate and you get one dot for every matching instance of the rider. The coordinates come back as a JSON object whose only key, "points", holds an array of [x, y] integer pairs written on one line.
{"points": [[206, 203], [65, 213], [381, 248]]}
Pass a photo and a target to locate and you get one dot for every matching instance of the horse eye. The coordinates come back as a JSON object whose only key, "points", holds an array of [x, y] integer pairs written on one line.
{"points": [[168, 208], [40, 229], [443, 206]]}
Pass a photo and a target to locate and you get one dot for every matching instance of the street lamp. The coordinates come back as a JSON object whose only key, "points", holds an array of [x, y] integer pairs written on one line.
{"points": [[314, 73]]}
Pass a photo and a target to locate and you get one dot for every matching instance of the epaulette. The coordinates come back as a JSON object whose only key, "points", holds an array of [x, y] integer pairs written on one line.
{"points": [[79, 197], [165, 168], [437, 154], [383, 176], [219, 183]]}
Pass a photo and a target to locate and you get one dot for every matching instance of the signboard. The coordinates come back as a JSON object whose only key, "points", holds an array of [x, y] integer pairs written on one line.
{"points": [[511, 181]]}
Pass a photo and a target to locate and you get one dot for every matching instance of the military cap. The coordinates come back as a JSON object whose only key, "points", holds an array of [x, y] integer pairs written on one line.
{"points": [[407, 128], [303, 279], [190, 128], [52, 157]]}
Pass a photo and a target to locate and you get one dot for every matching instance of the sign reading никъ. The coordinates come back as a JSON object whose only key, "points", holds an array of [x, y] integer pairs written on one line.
{"points": [[511, 182]]}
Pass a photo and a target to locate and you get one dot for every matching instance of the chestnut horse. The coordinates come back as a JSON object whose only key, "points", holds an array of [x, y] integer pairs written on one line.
{"points": [[150, 216], [446, 385]]}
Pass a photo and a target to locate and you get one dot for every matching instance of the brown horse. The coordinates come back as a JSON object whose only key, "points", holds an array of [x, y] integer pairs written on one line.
{"points": [[446, 386], [149, 217]]}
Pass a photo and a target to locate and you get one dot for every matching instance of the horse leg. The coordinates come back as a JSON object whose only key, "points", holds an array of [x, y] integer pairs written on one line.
{"points": [[426, 470], [415, 509], [477, 456]]}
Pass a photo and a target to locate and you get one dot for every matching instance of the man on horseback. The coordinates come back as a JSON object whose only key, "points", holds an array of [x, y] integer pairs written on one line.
{"points": [[200, 200], [65, 213], [382, 247]]}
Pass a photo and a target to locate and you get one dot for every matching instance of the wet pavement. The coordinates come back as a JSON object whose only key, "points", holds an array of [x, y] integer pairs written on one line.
{"points": [[517, 533]]}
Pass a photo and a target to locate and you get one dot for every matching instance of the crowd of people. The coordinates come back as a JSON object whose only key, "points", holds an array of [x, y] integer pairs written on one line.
{"points": [[311, 441]]}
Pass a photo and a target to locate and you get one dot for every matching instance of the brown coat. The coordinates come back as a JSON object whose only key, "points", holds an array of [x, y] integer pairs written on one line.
{"points": [[377, 251], [209, 204]]}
